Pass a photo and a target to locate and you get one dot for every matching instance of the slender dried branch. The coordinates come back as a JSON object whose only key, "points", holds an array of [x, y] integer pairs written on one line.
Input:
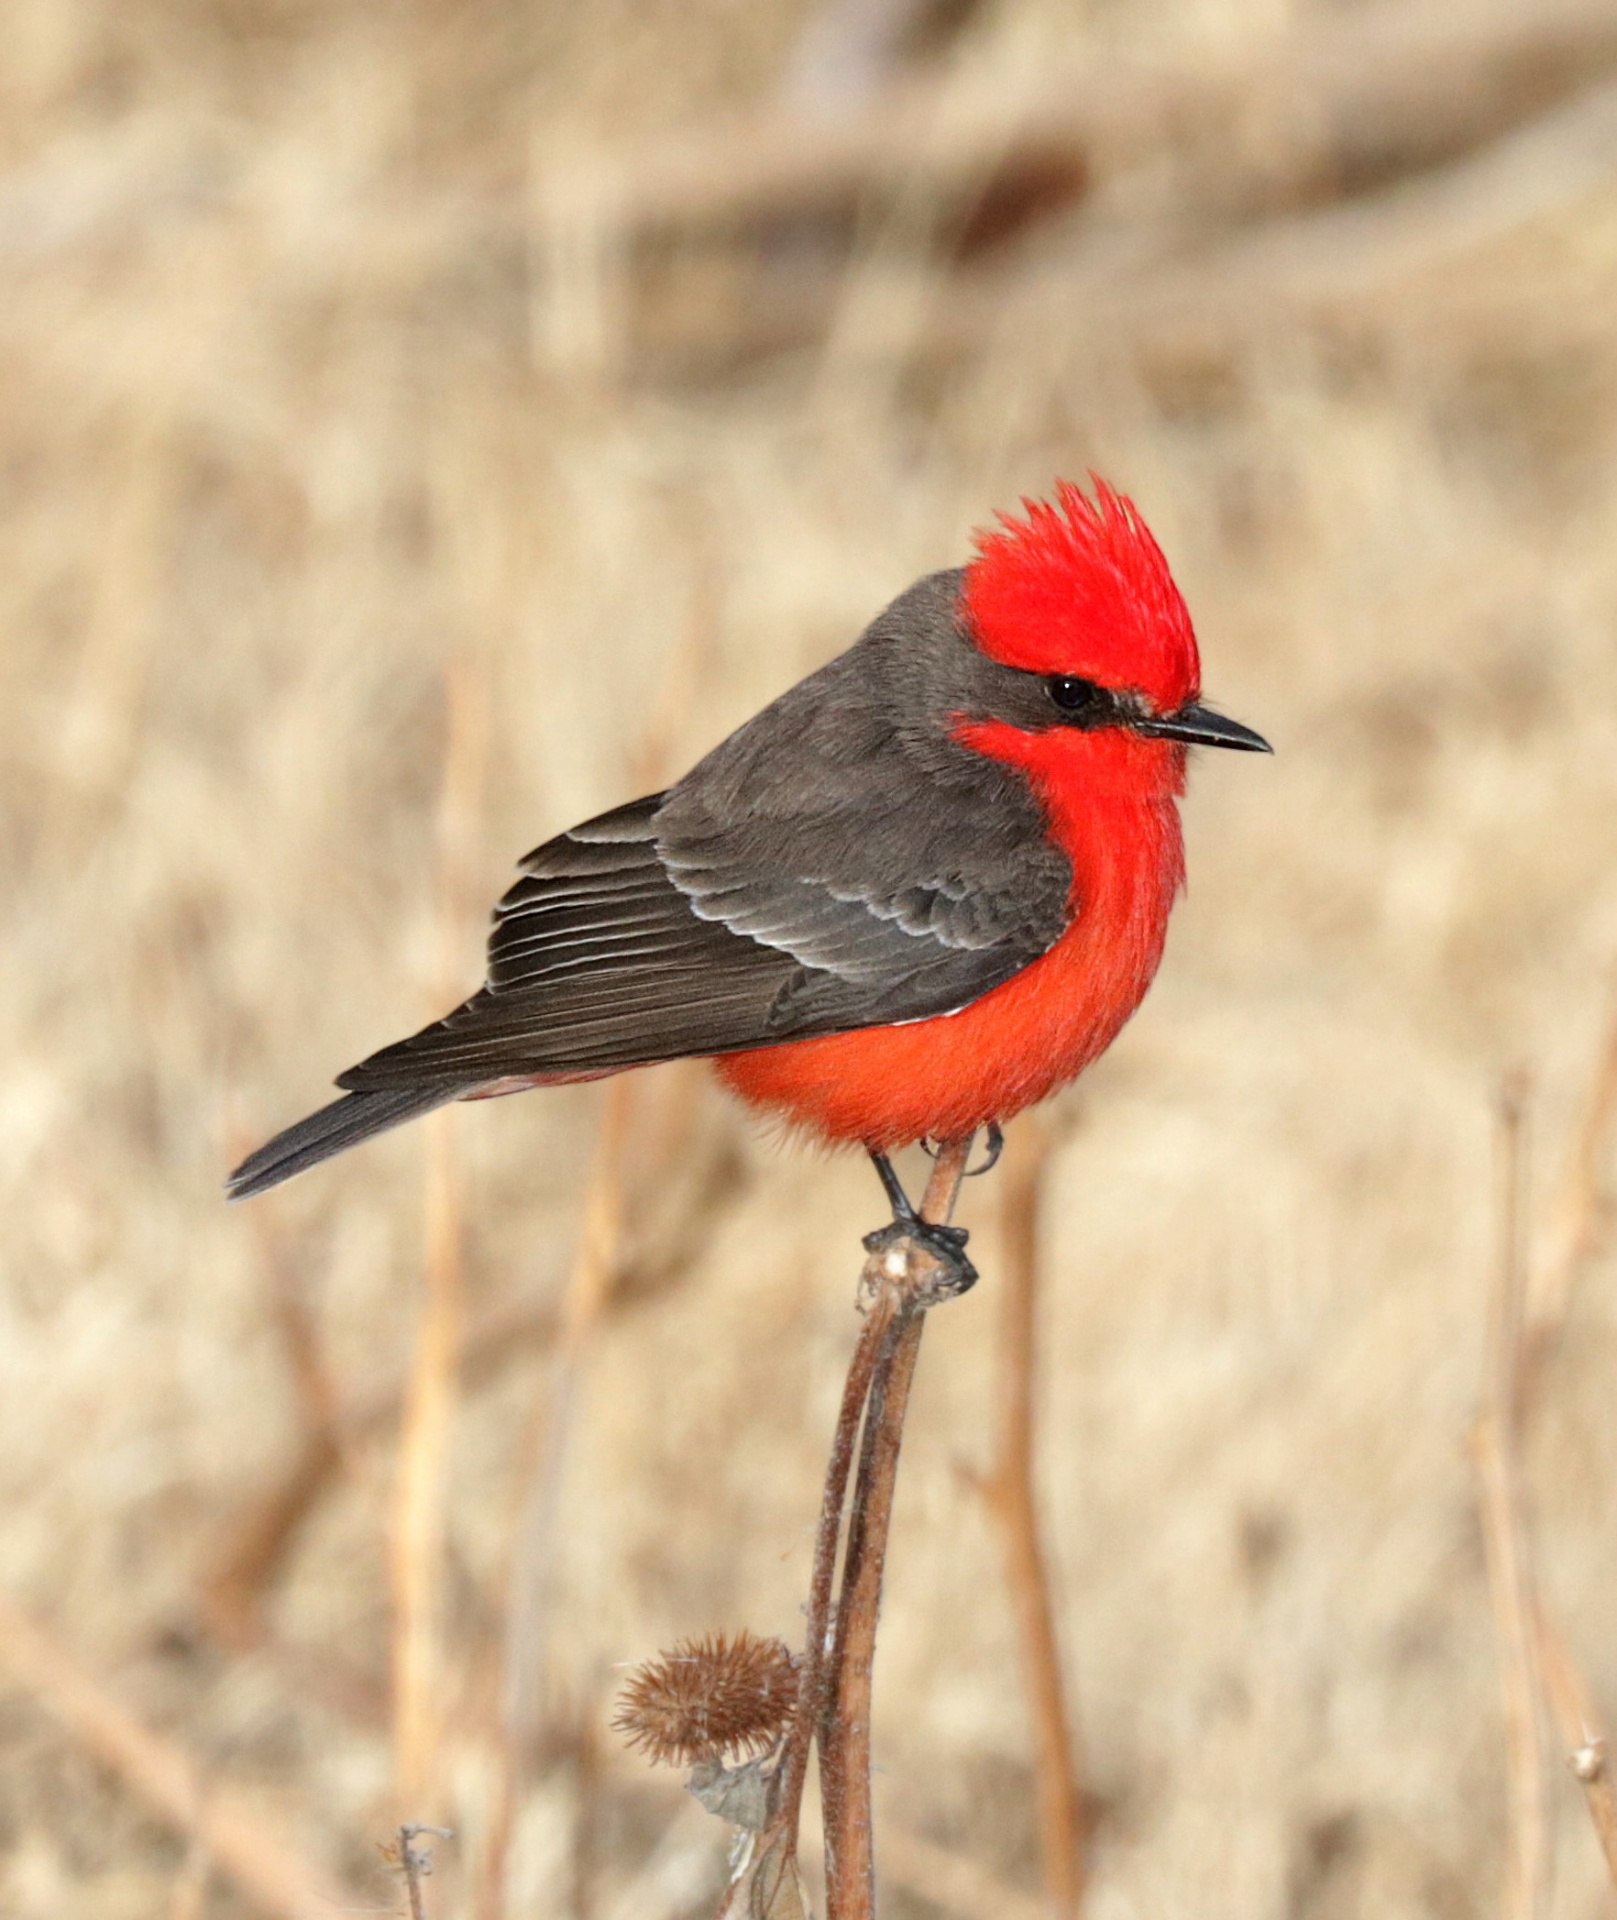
{"points": [[415, 1863], [1496, 1440], [1582, 1212], [1013, 1502], [241, 1843], [812, 1690], [421, 1494], [528, 1594], [1582, 1735], [419, 1511], [844, 1728], [876, 1388], [1593, 1773]]}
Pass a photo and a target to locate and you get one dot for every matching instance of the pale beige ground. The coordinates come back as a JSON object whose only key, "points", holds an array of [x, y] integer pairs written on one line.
{"points": [[311, 403]]}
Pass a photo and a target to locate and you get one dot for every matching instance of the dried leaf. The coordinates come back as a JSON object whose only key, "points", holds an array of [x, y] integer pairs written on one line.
{"points": [[740, 1794]]}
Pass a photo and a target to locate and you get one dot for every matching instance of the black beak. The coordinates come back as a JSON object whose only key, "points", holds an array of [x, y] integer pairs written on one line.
{"points": [[1201, 727]]}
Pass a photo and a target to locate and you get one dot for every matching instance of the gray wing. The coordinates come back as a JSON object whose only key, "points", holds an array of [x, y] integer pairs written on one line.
{"points": [[815, 874]]}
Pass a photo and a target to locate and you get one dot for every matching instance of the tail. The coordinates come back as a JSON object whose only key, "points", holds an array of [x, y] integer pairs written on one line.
{"points": [[355, 1117]]}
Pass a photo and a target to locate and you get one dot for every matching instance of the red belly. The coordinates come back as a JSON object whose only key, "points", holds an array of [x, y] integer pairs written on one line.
{"points": [[887, 1086]]}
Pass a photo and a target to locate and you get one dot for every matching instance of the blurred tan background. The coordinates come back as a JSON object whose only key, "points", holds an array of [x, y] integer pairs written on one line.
{"points": [[420, 424]]}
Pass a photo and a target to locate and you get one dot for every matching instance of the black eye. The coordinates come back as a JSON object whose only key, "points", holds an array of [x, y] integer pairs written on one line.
{"points": [[1073, 695]]}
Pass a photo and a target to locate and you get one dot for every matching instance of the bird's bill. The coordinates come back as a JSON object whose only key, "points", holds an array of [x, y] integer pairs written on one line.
{"points": [[1201, 727]]}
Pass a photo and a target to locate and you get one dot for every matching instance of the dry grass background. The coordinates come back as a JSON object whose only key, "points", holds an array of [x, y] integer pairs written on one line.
{"points": [[384, 388]]}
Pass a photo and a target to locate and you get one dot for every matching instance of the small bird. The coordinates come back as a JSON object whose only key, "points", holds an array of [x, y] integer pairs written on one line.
{"points": [[918, 892]]}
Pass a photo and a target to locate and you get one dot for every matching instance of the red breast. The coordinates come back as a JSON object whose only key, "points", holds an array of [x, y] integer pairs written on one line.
{"points": [[1111, 806]]}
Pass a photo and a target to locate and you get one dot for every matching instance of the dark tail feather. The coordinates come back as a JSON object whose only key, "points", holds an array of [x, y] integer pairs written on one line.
{"points": [[355, 1117]]}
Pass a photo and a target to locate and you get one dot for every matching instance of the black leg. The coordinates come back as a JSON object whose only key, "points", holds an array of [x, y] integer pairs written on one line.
{"points": [[946, 1244], [900, 1202]]}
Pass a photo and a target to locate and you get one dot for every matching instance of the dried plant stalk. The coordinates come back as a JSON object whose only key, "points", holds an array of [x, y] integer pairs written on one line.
{"points": [[1582, 1215], [816, 1653], [1591, 1770], [844, 1728], [834, 1678], [1013, 1502], [1496, 1444], [420, 1501]]}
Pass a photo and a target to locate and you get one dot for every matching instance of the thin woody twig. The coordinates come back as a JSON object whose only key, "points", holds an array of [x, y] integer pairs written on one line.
{"points": [[1496, 1449], [1590, 1769], [529, 1586], [420, 1502], [816, 1653], [844, 1730], [1527, 1322], [1582, 1213], [1579, 1726], [415, 1863], [1009, 1490], [844, 1724], [876, 1388]]}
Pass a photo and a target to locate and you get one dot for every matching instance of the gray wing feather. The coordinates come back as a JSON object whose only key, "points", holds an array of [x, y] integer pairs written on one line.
{"points": [[815, 874]]}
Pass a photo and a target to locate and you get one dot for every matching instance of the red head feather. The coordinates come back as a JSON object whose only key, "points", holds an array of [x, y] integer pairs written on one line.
{"points": [[1081, 587]]}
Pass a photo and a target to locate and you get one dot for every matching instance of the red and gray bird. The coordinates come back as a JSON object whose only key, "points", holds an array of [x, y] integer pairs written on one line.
{"points": [[915, 894]]}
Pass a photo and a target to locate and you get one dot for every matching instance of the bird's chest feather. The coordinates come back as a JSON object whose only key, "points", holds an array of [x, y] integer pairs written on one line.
{"points": [[1005, 1051]]}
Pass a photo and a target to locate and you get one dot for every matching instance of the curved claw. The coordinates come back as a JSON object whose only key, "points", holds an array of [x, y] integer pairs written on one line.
{"points": [[994, 1144]]}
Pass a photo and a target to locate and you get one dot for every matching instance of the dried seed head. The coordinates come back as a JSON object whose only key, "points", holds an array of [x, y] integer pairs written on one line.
{"points": [[706, 1698]]}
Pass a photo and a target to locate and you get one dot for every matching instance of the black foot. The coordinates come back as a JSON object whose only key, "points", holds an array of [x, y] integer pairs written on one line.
{"points": [[947, 1245]]}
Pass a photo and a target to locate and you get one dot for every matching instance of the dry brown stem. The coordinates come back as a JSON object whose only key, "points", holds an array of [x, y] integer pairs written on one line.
{"points": [[1496, 1446], [1527, 1324], [816, 1652], [1582, 1734], [844, 1726], [415, 1863], [528, 1592], [1582, 1211], [242, 1844], [1592, 1771], [833, 1703], [420, 1511], [1013, 1502]]}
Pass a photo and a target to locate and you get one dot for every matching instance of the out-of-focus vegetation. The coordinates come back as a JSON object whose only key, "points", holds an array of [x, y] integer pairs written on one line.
{"points": [[421, 425]]}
